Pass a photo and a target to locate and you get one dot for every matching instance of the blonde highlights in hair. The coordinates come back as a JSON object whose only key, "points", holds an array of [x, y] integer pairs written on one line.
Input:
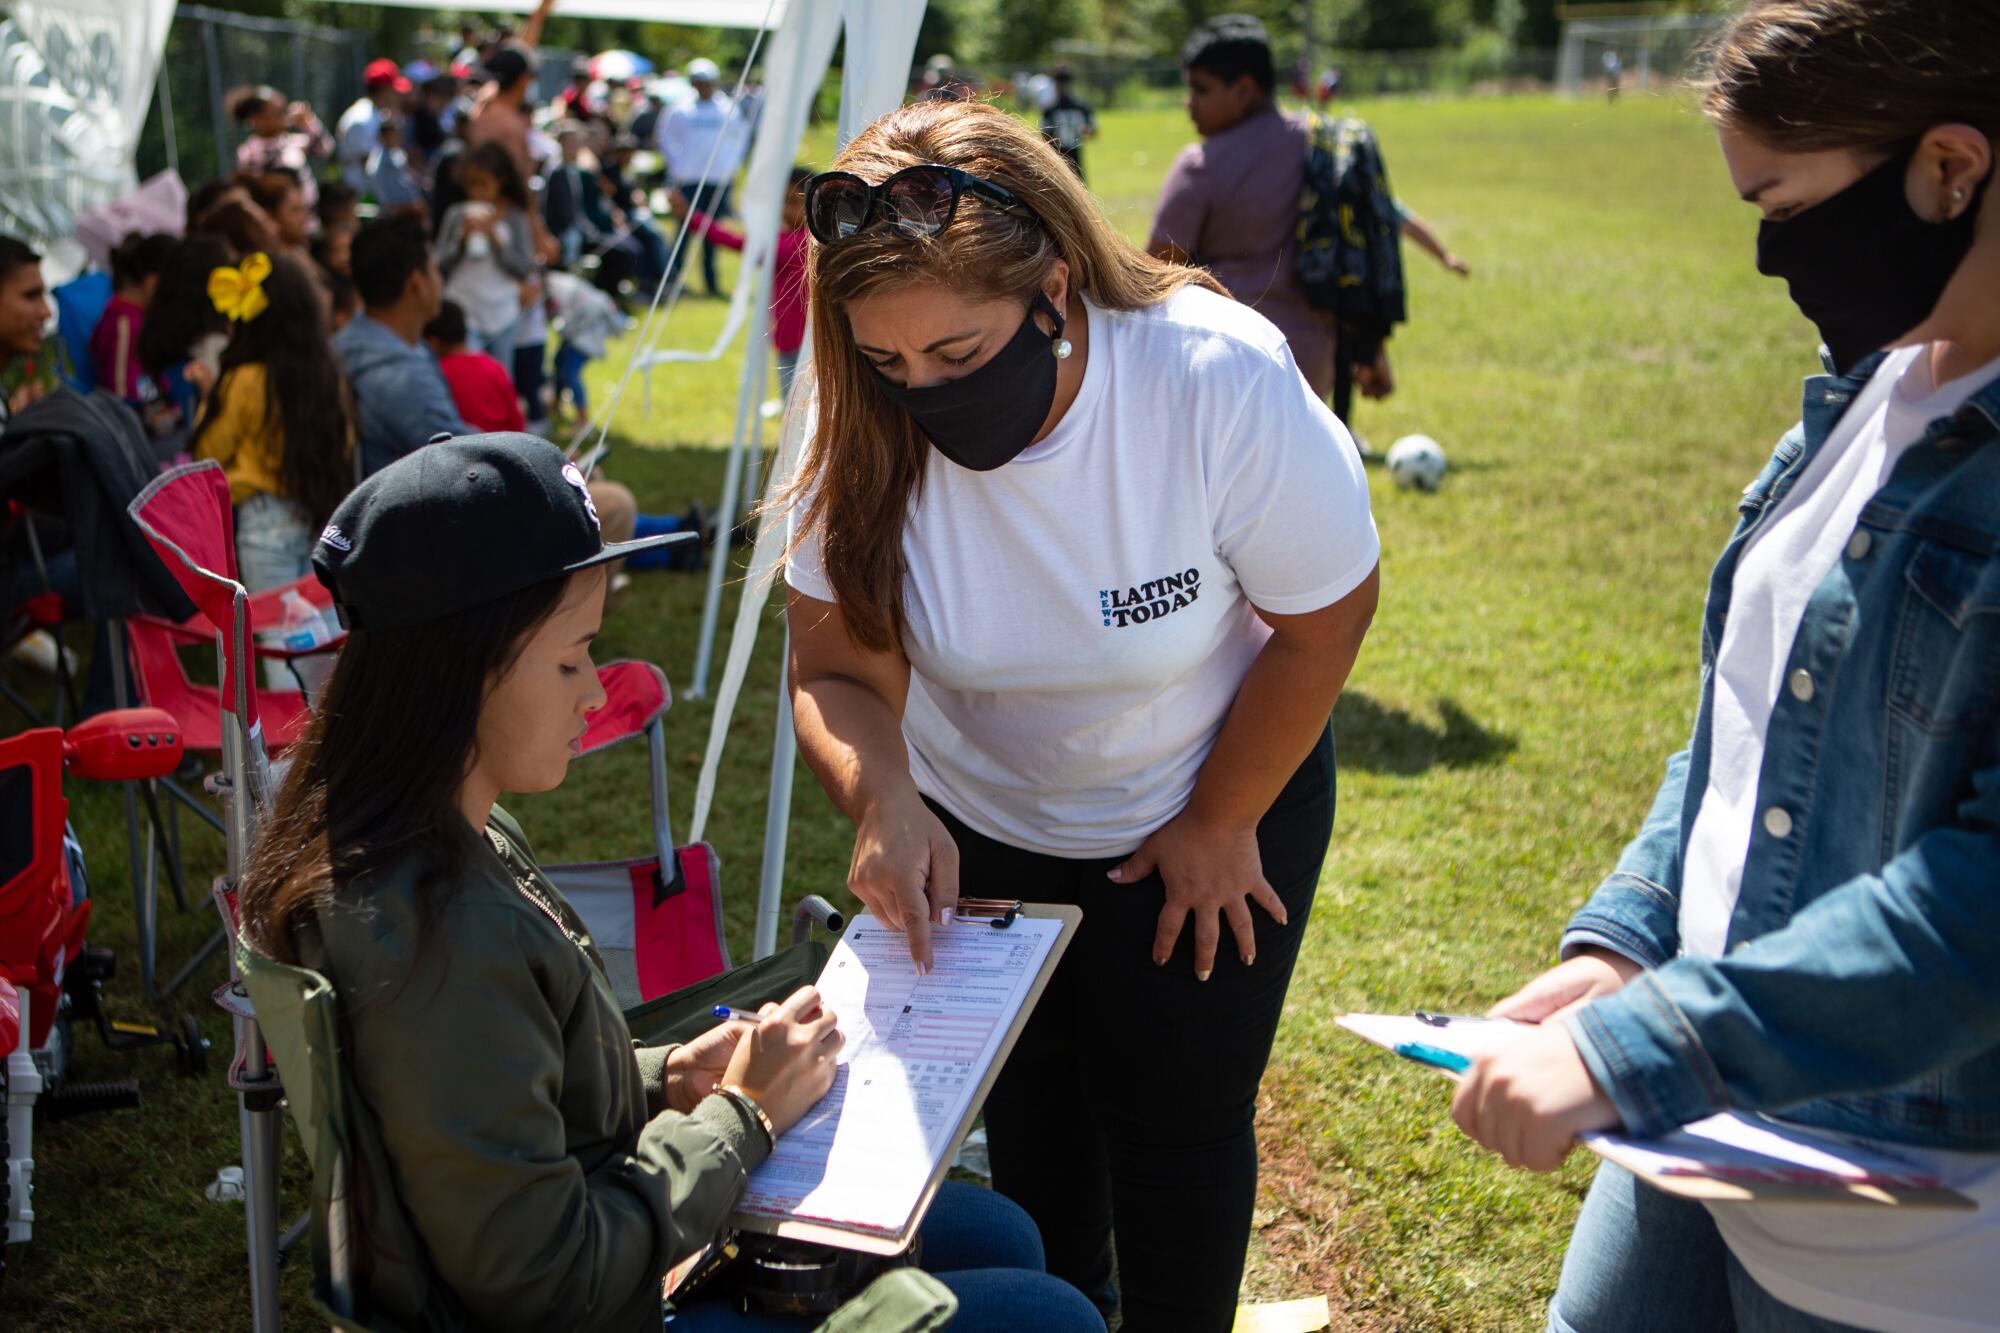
{"points": [[867, 460]]}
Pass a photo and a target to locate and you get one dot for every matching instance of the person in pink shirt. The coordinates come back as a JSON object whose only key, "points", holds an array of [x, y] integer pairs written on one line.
{"points": [[136, 265], [788, 279]]}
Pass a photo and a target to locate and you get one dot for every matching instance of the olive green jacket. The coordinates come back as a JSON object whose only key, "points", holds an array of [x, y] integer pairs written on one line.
{"points": [[516, 1166]]}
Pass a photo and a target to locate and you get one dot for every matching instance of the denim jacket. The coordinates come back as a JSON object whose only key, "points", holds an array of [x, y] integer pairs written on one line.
{"points": [[401, 399], [1860, 990]]}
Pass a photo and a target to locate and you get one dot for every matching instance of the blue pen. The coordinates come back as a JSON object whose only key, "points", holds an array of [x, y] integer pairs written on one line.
{"points": [[1435, 1056], [728, 1015]]}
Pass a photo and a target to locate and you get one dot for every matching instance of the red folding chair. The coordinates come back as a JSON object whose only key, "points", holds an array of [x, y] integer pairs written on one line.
{"points": [[656, 918], [198, 516], [185, 515]]}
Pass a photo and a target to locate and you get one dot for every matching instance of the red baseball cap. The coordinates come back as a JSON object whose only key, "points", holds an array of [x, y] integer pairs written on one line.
{"points": [[381, 72]]}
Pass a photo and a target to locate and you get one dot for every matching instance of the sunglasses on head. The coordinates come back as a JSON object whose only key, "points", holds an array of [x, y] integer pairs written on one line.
{"points": [[916, 201]]}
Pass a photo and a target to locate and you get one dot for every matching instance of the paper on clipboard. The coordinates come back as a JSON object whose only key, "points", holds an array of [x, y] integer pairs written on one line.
{"points": [[917, 1053], [1730, 1157]]}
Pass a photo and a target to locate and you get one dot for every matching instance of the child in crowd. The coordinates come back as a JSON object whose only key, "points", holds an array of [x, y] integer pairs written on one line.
{"points": [[343, 300], [391, 178], [588, 320], [333, 250], [486, 250], [283, 137], [136, 265], [480, 386], [283, 200], [278, 418], [339, 208], [180, 343], [788, 278]]}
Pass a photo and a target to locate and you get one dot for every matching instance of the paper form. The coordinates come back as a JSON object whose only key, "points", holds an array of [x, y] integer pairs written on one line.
{"points": [[1732, 1146], [917, 1050], [1729, 1146]]}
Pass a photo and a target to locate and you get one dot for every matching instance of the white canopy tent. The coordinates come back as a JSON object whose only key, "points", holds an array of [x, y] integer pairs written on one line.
{"points": [[76, 77]]}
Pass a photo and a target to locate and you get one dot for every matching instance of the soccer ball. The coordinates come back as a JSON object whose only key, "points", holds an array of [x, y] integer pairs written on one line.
{"points": [[1417, 463]]}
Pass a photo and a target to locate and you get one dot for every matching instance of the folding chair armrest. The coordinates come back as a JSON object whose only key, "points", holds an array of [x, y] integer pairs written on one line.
{"points": [[815, 910]]}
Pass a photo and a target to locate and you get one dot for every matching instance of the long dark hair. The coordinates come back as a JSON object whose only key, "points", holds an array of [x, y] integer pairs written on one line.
{"points": [[498, 163], [304, 395], [181, 314], [377, 773]]}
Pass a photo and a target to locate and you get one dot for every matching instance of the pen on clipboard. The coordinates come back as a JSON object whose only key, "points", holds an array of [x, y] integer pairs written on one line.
{"points": [[1435, 1056], [728, 1015]]}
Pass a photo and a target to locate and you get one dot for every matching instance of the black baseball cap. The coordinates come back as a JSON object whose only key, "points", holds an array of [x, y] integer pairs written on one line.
{"points": [[462, 521]]}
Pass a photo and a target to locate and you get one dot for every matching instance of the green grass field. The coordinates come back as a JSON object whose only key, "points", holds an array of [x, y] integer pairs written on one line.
{"points": [[1606, 381]]}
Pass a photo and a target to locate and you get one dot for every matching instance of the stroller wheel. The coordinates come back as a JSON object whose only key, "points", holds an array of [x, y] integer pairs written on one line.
{"points": [[193, 1048]]}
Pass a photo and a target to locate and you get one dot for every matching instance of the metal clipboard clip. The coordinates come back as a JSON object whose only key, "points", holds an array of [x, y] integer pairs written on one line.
{"points": [[998, 913]]}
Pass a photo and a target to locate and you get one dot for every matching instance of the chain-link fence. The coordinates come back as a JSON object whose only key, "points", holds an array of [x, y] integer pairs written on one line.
{"points": [[209, 52]]}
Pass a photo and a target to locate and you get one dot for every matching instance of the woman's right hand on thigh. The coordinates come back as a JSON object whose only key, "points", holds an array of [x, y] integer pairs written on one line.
{"points": [[905, 868], [786, 1063], [1568, 985]]}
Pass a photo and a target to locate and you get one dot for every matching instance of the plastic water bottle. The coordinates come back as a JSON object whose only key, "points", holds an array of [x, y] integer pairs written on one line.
{"points": [[303, 627]]}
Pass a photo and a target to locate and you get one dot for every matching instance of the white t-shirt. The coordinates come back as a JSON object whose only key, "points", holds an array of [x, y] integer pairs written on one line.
{"points": [[357, 134], [1080, 619], [1908, 1269]]}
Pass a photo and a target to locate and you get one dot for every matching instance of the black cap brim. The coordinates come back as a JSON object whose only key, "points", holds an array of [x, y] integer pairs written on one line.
{"points": [[621, 550]]}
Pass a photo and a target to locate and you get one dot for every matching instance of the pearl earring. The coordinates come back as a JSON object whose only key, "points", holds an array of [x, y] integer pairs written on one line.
{"points": [[1063, 349]]}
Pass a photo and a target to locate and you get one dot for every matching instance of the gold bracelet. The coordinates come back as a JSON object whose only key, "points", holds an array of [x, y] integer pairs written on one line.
{"points": [[749, 1105]]}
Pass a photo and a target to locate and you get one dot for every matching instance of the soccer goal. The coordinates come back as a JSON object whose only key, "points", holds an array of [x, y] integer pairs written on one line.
{"points": [[1635, 52]]}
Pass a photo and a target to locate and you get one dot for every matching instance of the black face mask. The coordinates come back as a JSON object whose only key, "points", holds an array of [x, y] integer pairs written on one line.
{"points": [[983, 420], [1862, 265]]}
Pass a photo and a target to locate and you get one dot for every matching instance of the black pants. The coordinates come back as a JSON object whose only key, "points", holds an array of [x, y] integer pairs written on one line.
{"points": [[1130, 1100], [712, 200]]}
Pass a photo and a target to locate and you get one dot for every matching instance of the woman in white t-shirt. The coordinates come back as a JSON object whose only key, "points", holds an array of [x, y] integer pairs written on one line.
{"points": [[1808, 922], [1080, 565]]}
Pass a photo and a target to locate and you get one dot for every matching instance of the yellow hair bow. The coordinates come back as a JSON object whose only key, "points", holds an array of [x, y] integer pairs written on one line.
{"points": [[238, 292]]}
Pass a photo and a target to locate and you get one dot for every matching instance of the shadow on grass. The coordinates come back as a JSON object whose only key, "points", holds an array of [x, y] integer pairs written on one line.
{"points": [[1378, 739]]}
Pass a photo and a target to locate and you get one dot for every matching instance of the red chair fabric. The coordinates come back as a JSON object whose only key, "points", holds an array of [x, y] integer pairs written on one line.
{"points": [[635, 695], [163, 682], [40, 928]]}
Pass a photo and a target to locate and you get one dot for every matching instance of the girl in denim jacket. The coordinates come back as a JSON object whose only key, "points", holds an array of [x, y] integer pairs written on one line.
{"points": [[1808, 922]]}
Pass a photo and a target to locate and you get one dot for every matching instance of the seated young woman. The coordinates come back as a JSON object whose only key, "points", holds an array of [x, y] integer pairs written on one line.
{"points": [[526, 1164]]}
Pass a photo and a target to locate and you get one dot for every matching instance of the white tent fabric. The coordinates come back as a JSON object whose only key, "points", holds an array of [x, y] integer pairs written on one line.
{"points": [[875, 76], [693, 13], [76, 77]]}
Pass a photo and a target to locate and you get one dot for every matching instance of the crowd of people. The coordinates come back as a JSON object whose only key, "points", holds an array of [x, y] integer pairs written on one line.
{"points": [[1079, 560]]}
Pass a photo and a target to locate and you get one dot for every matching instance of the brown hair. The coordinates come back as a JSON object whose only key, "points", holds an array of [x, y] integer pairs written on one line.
{"points": [[1807, 75], [868, 458]]}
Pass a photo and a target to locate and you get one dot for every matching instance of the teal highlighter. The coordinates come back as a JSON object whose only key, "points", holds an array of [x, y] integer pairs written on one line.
{"points": [[1435, 1056]]}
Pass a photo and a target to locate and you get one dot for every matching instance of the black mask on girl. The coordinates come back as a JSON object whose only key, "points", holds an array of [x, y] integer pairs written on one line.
{"points": [[1863, 266], [983, 420]]}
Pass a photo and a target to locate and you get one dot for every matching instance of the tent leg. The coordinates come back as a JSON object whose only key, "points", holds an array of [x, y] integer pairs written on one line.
{"points": [[777, 822], [746, 408]]}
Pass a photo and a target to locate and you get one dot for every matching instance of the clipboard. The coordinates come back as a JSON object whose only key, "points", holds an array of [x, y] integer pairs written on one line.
{"points": [[999, 914], [1427, 1044]]}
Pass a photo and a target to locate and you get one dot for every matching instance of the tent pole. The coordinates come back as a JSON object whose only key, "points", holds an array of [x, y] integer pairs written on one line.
{"points": [[777, 818], [718, 561]]}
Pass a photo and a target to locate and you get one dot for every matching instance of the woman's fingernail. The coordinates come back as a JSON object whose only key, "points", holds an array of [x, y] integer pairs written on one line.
{"points": [[1159, 961], [1111, 874], [1201, 976], [1249, 959]]}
